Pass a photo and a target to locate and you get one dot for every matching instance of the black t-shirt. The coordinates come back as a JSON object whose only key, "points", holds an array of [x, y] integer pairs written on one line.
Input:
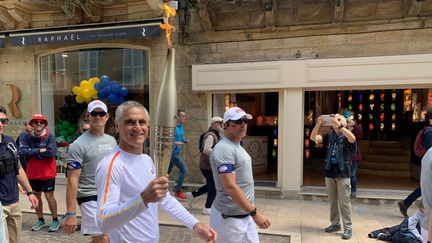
{"points": [[9, 182], [334, 171]]}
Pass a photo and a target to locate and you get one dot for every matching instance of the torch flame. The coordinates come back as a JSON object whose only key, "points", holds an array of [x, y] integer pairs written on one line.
{"points": [[169, 12]]}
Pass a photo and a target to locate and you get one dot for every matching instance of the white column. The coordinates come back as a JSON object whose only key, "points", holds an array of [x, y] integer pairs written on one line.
{"points": [[290, 149]]}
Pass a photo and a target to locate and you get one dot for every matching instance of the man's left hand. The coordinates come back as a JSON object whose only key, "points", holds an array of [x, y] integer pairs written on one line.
{"points": [[205, 232], [33, 200]]}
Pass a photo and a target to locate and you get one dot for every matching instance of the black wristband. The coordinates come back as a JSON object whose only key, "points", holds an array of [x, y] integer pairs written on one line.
{"points": [[30, 192], [253, 212]]}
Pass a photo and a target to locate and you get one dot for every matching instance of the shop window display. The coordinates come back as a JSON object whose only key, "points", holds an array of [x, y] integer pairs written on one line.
{"points": [[390, 119], [70, 80]]}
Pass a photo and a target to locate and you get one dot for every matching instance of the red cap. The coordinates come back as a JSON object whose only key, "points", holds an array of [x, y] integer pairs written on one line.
{"points": [[39, 117]]}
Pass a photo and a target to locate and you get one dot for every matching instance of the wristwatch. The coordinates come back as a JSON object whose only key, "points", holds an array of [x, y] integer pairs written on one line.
{"points": [[253, 212], [30, 192]]}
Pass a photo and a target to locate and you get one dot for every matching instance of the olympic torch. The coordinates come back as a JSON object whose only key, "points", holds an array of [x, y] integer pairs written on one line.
{"points": [[167, 104], [165, 116]]}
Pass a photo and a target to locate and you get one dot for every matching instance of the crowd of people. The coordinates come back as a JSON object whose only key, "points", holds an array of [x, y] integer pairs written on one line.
{"points": [[116, 188]]}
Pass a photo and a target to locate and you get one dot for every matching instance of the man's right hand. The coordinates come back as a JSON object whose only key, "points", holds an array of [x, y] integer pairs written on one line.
{"points": [[70, 224], [261, 221], [156, 190]]}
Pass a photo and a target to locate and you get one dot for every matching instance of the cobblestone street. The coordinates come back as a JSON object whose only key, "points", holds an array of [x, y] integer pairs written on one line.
{"points": [[168, 234]]}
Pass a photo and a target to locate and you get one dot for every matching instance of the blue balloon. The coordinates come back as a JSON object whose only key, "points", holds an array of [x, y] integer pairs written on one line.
{"points": [[107, 90], [101, 94], [115, 83], [112, 98], [96, 86], [124, 91], [105, 78], [116, 90]]}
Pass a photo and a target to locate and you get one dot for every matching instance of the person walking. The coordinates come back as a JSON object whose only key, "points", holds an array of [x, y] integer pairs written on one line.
{"points": [[233, 214], [11, 173], [427, 144], [129, 192], [210, 139], [84, 155], [357, 130], [340, 144], [176, 160], [27, 130], [39, 149]]}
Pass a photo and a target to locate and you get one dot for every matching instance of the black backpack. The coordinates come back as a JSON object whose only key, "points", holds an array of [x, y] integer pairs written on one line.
{"points": [[201, 141]]}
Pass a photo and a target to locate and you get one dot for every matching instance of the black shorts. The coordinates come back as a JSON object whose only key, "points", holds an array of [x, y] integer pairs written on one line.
{"points": [[43, 185]]}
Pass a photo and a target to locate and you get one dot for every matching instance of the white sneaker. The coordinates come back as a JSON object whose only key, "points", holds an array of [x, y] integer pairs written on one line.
{"points": [[190, 199], [206, 211]]}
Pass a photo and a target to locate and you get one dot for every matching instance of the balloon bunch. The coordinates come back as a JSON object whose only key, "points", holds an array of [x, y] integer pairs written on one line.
{"points": [[86, 91], [69, 115], [112, 90], [65, 129]]}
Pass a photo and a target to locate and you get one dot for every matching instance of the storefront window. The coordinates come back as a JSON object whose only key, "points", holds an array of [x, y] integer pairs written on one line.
{"points": [[126, 73], [261, 141]]}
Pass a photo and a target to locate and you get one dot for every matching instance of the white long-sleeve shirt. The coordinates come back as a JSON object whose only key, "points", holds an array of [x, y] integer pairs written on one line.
{"points": [[412, 223], [120, 178]]}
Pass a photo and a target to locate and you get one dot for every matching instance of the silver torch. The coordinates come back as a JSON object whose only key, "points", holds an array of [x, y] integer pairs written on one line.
{"points": [[165, 116]]}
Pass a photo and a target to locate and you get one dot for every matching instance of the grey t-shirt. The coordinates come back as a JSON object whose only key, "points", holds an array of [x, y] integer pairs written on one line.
{"points": [[227, 152], [89, 150]]}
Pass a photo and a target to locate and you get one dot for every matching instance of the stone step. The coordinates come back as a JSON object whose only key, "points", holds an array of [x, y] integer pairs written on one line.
{"points": [[364, 196], [388, 151], [392, 159], [385, 144], [373, 165], [384, 173]]}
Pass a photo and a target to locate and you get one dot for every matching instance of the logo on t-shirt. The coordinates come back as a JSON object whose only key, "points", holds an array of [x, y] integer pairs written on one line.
{"points": [[105, 147], [223, 168]]}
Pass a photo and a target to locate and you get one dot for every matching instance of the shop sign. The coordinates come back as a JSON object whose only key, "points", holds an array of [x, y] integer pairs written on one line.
{"points": [[84, 35]]}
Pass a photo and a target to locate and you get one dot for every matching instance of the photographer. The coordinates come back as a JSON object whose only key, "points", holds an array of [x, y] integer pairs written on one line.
{"points": [[340, 144]]}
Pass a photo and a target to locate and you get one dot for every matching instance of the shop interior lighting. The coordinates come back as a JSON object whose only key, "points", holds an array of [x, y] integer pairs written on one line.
{"points": [[65, 54]]}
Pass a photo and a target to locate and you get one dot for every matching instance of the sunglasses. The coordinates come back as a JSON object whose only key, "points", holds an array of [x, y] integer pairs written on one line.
{"points": [[240, 121], [84, 130], [4, 121], [38, 122], [98, 113]]}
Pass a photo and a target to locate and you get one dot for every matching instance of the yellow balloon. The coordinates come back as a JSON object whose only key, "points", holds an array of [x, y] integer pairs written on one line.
{"points": [[79, 99], [86, 93], [94, 96], [88, 100], [93, 80], [85, 84], [93, 92], [78, 90], [75, 90]]}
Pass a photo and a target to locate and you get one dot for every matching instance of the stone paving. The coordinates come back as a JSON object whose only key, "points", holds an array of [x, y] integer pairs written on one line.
{"points": [[302, 220], [168, 234]]}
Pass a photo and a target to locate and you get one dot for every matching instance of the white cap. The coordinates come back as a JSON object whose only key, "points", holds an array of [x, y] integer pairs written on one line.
{"points": [[96, 104], [235, 113], [215, 119]]}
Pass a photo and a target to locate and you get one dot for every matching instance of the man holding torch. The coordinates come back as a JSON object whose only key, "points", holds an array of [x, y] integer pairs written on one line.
{"points": [[128, 189]]}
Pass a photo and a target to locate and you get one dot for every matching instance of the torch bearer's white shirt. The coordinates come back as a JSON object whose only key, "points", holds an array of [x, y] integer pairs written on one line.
{"points": [[120, 178]]}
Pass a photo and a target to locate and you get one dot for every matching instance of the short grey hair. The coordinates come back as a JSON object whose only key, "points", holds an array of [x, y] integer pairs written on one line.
{"points": [[126, 106]]}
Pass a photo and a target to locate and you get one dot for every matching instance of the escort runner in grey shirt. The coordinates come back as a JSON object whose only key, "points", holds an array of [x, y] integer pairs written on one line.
{"points": [[89, 150], [229, 152]]}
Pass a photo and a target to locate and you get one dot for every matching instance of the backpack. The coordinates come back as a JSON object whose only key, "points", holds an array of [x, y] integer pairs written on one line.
{"points": [[419, 149], [201, 141]]}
